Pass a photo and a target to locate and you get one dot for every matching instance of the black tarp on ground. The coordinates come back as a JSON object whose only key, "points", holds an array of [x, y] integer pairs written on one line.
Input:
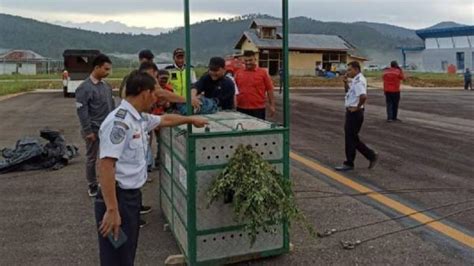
{"points": [[30, 154]]}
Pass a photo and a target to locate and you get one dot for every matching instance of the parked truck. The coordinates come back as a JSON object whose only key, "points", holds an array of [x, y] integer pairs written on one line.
{"points": [[78, 64]]}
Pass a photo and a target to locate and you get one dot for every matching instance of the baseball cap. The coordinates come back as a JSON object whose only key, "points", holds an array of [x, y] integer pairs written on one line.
{"points": [[216, 62], [146, 54], [178, 51]]}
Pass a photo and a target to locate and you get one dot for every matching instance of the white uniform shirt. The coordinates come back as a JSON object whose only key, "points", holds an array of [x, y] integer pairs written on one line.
{"points": [[357, 87], [123, 136], [235, 84]]}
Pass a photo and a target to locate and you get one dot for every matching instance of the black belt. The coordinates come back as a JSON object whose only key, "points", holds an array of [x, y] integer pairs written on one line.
{"points": [[348, 109], [134, 190], [119, 189]]}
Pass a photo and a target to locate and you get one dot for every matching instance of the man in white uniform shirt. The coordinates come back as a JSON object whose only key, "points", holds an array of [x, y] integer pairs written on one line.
{"points": [[356, 97], [123, 168]]}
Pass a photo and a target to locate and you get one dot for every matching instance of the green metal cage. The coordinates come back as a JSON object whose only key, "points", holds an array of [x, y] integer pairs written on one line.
{"points": [[191, 158]]}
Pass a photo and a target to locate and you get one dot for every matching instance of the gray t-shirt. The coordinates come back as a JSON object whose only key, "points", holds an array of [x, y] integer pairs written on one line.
{"points": [[93, 103]]}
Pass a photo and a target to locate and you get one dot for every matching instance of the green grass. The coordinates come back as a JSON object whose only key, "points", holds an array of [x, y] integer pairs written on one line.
{"points": [[419, 75], [24, 86], [39, 76], [200, 71], [116, 73], [23, 83]]}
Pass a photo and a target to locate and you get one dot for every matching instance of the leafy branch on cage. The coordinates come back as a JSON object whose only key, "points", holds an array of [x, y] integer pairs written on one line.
{"points": [[260, 196]]}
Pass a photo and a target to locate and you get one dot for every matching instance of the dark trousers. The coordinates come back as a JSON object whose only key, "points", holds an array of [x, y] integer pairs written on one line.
{"points": [[392, 99], [467, 84], [129, 202], [258, 113], [92, 151], [352, 127]]}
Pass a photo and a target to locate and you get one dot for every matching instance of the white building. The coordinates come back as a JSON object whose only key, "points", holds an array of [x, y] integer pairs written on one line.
{"points": [[23, 62], [443, 47]]}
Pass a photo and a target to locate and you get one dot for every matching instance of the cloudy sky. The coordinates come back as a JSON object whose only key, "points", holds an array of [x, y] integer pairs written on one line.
{"points": [[168, 13]]}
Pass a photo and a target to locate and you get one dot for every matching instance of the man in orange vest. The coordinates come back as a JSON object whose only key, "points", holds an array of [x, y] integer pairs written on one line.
{"points": [[392, 78]]}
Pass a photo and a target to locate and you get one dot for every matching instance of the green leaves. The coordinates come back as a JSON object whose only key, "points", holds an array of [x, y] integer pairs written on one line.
{"points": [[260, 196]]}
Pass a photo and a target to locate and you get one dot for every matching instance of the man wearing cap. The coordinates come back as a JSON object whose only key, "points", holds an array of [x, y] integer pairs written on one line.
{"points": [[255, 86], [216, 85], [178, 72], [143, 56]]}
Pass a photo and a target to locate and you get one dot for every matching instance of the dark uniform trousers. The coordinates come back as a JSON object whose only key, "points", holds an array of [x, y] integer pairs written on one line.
{"points": [[129, 202], [258, 113], [392, 99], [352, 127]]}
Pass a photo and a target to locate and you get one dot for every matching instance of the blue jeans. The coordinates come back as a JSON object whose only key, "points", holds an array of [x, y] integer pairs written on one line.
{"points": [[209, 106]]}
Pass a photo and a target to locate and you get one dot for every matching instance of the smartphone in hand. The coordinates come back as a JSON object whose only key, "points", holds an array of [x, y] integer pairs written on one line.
{"points": [[120, 241]]}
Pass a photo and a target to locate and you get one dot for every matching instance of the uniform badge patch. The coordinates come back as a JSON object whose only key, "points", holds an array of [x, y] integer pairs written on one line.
{"points": [[122, 124], [117, 135], [121, 113]]}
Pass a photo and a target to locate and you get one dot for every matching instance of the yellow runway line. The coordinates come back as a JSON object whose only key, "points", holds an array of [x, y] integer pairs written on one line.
{"points": [[397, 206]]}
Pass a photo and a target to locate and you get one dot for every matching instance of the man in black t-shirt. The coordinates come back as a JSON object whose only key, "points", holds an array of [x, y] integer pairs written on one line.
{"points": [[216, 85]]}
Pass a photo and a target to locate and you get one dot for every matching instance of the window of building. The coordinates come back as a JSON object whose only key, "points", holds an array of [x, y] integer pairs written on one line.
{"points": [[263, 55], [263, 63], [444, 65], [275, 55], [445, 43], [268, 33], [334, 58], [431, 43], [460, 60], [471, 40], [461, 42]]}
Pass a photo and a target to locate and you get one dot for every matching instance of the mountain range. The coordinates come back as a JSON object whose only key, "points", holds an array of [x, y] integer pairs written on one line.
{"points": [[379, 42], [111, 27]]}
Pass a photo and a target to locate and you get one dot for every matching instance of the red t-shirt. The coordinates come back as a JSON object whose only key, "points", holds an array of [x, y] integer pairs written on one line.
{"points": [[392, 78], [159, 110], [252, 84]]}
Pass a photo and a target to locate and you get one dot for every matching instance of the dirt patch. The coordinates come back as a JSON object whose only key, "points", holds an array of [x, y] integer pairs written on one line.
{"points": [[431, 82], [308, 81]]}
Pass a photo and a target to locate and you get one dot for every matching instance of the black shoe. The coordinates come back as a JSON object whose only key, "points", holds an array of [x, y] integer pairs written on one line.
{"points": [[92, 191], [143, 223], [145, 209], [374, 162], [344, 168]]}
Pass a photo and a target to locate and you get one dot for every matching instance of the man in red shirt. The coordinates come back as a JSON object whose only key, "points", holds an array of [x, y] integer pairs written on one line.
{"points": [[392, 78], [255, 86], [163, 78]]}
